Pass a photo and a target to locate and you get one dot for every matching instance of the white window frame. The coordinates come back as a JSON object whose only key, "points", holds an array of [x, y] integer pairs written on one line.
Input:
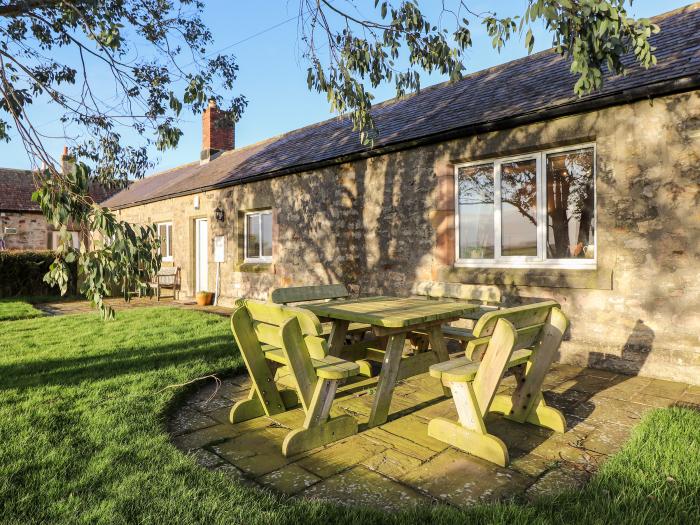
{"points": [[539, 261], [167, 258], [56, 240], [259, 258]]}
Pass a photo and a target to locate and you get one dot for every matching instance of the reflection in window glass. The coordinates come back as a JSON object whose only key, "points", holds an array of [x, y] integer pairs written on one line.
{"points": [[475, 185], [266, 234], [253, 235], [519, 208], [570, 205]]}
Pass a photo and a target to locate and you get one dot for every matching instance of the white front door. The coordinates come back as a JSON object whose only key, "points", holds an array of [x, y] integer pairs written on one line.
{"points": [[201, 255]]}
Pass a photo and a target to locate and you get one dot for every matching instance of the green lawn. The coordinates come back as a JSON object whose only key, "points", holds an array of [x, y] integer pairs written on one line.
{"points": [[82, 439], [13, 309]]}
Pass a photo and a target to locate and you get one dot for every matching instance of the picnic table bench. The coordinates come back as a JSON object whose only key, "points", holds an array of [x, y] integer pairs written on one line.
{"points": [[316, 293], [266, 332], [393, 318], [486, 298], [524, 339]]}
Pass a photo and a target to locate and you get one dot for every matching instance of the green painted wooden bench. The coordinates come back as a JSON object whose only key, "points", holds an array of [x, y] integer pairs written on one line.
{"points": [[524, 339], [486, 296], [268, 333], [316, 293]]}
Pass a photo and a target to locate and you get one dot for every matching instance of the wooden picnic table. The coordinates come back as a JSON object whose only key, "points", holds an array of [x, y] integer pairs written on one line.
{"points": [[394, 318]]}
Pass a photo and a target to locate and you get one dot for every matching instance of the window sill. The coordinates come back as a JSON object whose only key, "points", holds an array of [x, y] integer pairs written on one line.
{"points": [[254, 267], [596, 278], [565, 265]]}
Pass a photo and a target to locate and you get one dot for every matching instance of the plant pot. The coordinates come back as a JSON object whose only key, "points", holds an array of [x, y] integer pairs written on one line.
{"points": [[205, 298]]}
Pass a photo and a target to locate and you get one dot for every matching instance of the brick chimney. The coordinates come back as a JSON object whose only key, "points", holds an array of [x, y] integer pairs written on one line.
{"points": [[217, 136], [67, 161]]}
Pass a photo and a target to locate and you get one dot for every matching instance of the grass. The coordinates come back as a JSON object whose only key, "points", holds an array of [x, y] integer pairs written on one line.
{"points": [[83, 441], [13, 309]]}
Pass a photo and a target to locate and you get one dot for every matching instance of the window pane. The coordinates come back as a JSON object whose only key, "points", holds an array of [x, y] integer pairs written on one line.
{"points": [[519, 208], [475, 185], [266, 234], [253, 229], [169, 246], [75, 240], [164, 234], [570, 205]]}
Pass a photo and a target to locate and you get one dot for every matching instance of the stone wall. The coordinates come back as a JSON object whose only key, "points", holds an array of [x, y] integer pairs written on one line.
{"points": [[32, 230], [378, 225]]}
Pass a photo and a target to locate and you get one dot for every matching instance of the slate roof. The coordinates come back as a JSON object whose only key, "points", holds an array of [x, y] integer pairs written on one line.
{"points": [[533, 88], [17, 186]]}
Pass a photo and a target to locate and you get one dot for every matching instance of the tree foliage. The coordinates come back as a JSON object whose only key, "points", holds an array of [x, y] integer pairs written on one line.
{"points": [[157, 54]]}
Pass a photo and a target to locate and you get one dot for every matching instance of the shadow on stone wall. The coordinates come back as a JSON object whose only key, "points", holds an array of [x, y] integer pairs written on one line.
{"points": [[367, 224]]}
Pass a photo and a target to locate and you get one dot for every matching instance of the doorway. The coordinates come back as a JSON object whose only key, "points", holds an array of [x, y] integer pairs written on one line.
{"points": [[201, 254]]}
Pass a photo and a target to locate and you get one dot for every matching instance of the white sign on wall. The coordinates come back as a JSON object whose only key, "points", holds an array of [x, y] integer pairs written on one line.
{"points": [[219, 248]]}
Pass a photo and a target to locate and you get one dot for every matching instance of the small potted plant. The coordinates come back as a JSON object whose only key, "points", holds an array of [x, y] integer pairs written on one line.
{"points": [[205, 298]]}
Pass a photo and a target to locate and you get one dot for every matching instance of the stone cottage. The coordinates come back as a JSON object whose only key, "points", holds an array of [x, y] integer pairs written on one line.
{"points": [[22, 225], [504, 178]]}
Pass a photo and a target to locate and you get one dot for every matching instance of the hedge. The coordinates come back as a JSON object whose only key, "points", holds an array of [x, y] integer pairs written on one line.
{"points": [[22, 274]]}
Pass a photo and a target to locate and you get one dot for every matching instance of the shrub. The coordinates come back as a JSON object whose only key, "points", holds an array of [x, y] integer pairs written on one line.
{"points": [[22, 273]]}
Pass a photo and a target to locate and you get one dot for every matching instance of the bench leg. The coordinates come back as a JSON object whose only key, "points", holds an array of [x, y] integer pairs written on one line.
{"points": [[470, 433], [527, 404], [252, 407], [336, 339], [318, 429], [437, 344], [539, 413]]}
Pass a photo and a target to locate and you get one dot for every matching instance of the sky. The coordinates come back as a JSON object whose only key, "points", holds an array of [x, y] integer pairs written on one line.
{"points": [[263, 36]]}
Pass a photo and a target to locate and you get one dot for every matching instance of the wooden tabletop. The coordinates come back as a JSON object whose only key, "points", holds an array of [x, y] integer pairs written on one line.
{"points": [[390, 312]]}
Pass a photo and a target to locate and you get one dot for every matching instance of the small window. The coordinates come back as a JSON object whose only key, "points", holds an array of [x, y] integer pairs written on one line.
{"points": [[165, 234], [258, 236], [530, 211], [56, 240]]}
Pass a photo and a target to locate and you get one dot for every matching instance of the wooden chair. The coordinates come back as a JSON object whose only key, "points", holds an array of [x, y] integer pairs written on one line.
{"points": [[322, 292], [488, 297], [167, 278], [524, 338], [267, 333]]}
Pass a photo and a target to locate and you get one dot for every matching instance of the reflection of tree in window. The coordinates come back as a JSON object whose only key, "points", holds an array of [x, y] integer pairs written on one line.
{"points": [[570, 205], [519, 208], [475, 185]]}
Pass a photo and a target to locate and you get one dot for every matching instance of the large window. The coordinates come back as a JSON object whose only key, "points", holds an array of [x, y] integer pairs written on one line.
{"points": [[165, 233], [258, 236], [534, 210]]}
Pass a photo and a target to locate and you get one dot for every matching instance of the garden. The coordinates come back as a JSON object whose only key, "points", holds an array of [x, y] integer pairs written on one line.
{"points": [[83, 411]]}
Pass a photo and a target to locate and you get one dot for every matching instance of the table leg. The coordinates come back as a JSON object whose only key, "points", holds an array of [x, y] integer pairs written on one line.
{"points": [[437, 344], [336, 340], [387, 380]]}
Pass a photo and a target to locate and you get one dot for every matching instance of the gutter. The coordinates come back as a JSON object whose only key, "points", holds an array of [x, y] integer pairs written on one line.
{"points": [[667, 87]]}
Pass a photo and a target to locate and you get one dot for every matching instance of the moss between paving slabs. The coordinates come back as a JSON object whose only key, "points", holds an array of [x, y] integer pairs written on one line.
{"points": [[82, 407], [13, 309]]}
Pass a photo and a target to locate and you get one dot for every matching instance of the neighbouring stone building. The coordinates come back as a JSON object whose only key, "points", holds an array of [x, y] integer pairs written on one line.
{"points": [[504, 178], [22, 225]]}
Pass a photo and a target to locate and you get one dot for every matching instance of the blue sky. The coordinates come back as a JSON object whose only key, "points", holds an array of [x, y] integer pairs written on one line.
{"points": [[263, 37]]}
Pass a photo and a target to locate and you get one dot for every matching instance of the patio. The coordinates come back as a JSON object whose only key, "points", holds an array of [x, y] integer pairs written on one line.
{"points": [[397, 464]]}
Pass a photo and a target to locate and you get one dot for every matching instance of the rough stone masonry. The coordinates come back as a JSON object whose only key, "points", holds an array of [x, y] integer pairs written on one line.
{"points": [[379, 224]]}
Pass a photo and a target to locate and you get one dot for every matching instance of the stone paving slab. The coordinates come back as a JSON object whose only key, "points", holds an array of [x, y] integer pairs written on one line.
{"points": [[397, 464]]}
